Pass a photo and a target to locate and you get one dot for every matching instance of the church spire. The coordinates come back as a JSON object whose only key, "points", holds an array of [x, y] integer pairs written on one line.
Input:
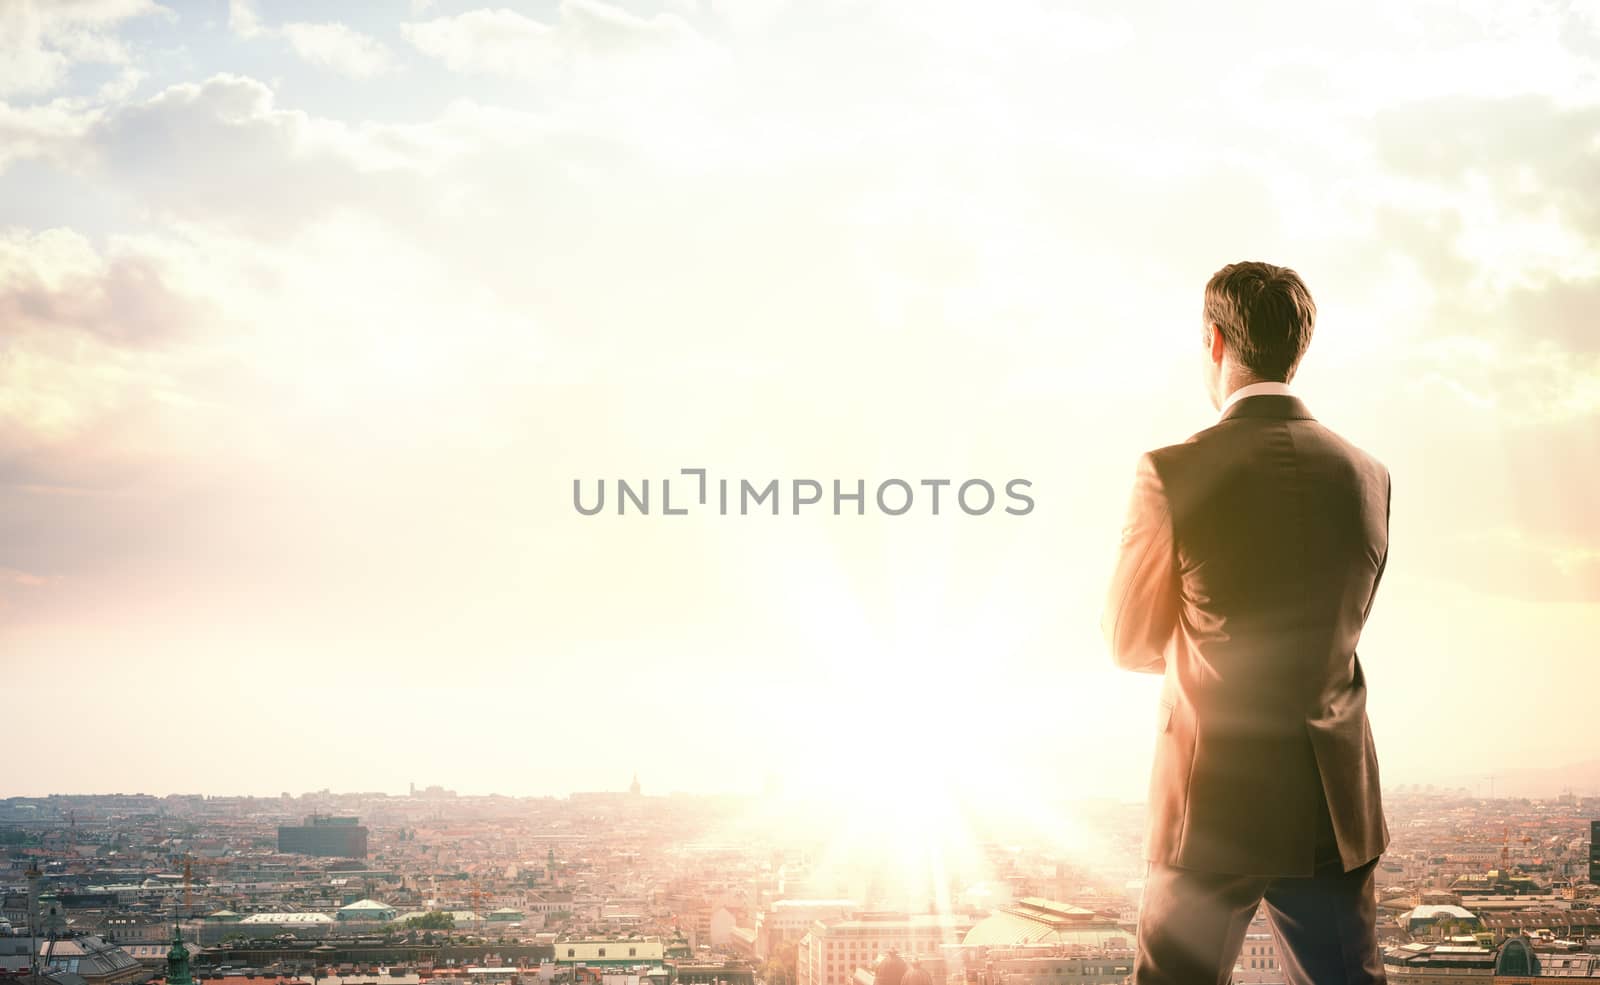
{"points": [[178, 960]]}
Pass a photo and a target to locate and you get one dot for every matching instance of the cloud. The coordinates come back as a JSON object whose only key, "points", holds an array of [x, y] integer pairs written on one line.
{"points": [[1507, 512], [243, 19], [1501, 161], [1531, 384], [329, 45], [11, 576], [338, 48], [42, 40], [588, 42], [15, 582], [1565, 312], [1490, 199], [1510, 562], [183, 154], [55, 283], [186, 152], [92, 339], [51, 130], [497, 42]]}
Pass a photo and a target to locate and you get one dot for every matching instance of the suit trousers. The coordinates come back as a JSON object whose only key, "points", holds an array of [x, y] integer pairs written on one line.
{"points": [[1192, 924]]}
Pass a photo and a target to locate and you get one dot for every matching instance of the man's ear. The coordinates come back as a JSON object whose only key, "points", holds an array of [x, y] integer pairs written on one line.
{"points": [[1216, 343]]}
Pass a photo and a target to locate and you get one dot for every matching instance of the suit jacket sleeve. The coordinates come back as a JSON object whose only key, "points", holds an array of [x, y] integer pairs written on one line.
{"points": [[1141, 613], [1383, 562]]}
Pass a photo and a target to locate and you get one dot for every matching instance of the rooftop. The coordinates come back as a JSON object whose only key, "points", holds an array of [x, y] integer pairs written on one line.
{"points": [[366, 904], [1034, 920]]}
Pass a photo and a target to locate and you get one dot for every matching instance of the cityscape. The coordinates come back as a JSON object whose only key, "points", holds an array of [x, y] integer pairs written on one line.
{"points": [[628, 887]]}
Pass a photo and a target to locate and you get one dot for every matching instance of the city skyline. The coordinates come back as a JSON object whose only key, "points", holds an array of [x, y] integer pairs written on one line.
{"points": [[309, 325], [612, 888], [1576, 779]]}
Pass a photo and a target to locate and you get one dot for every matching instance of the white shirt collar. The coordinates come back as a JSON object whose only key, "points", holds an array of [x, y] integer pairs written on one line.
{"points": [[1256, 389]]}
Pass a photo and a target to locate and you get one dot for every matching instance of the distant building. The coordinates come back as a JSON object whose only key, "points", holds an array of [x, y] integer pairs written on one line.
{"points": [[1429, 918], [832, 950], [1496, 882], [1258, 962], [742, 943], [724, 921], [1033, 920], [1516, 962], [550, 902], [788, 920], [609, 953], [1519, 954], [1594, 852], [122, 929], [328, 837], [1572, 924], [366, 910], [1074, 966], [90, 959], [260, 925], [1438, 964], [721, 973], [14, 909]]}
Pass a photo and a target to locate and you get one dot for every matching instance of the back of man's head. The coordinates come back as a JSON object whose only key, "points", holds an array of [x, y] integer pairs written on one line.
{"points": [[1265, 315]]}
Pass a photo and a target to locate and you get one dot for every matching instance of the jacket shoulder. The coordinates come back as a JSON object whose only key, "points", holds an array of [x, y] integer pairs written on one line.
{"points": [[1226, 440]]}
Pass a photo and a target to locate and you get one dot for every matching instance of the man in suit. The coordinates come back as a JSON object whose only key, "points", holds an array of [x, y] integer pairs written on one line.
{"points": [[1249, 562]]}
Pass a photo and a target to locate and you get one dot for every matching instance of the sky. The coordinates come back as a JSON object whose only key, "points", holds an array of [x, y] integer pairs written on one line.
{"points": [[307, 327]]}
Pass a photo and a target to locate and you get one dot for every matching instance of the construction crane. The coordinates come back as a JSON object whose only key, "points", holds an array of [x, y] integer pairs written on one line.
{"points": [[32, 875]]}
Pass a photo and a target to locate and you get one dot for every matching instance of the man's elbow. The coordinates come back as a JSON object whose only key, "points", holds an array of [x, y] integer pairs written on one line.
{"points": [[1141, 659], [1135, 652]]}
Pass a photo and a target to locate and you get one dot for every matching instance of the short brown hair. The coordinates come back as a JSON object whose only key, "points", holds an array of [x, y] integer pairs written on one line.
{"points": [[1265, 314]]}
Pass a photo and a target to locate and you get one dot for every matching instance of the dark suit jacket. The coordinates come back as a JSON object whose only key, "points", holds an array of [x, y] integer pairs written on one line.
{"points": [[1248, 565]]}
